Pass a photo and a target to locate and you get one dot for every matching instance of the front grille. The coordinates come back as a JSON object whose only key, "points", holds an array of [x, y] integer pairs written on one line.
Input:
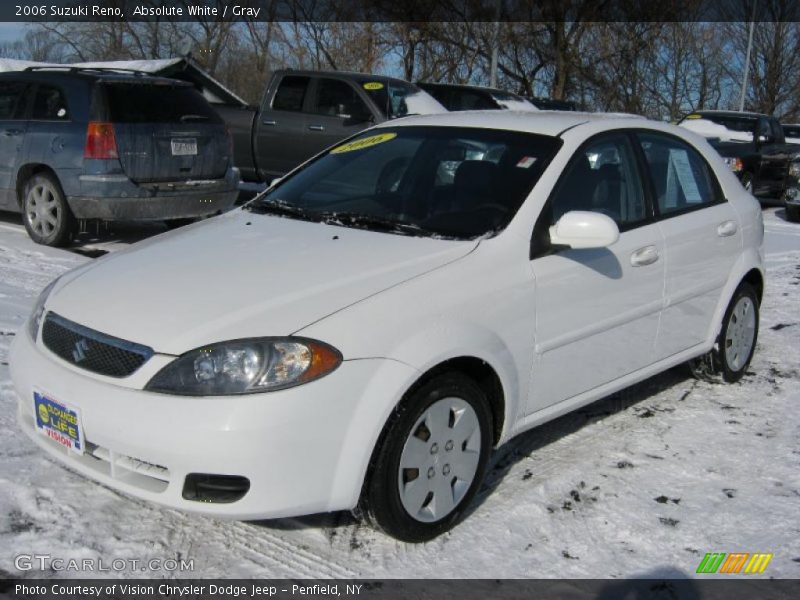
{"points": [[92, 350]]}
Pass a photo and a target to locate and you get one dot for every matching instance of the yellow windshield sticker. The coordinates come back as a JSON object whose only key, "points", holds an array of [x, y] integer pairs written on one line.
{"points": [[373, 85], [366, 142], [695, 116]]}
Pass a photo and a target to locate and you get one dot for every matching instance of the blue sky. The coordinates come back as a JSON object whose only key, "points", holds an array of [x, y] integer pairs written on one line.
{"points": [[10, 32]]}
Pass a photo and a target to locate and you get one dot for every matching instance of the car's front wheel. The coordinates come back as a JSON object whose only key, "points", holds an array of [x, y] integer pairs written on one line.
{"points": [[431, 459], [45, 212], [793, 212]]}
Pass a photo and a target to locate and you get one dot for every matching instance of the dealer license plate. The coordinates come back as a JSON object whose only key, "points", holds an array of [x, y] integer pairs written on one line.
{"points": [[58, 422], [184, 147]]}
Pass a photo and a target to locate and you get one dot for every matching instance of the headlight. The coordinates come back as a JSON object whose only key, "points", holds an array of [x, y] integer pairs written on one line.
{"points": [[735, 164], [794, 169], [246, 367], [35, 320]]}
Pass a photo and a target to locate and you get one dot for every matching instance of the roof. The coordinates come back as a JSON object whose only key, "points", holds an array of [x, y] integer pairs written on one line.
{"points": [[728, 113], [543, 122], [183, 67], [345, 74]]}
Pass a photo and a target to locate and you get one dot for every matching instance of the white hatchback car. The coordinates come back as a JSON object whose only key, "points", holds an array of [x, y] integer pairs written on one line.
{"points": [[367, 330]]}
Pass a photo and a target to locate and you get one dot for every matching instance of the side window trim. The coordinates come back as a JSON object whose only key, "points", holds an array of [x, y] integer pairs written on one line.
{"points": [[719, 193], [644, 177]]}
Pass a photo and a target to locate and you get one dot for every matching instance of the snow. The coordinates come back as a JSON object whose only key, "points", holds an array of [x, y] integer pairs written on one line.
{"points": [[709, 129], [422, 103], [640, 484], [520, 105], [148, 66]]}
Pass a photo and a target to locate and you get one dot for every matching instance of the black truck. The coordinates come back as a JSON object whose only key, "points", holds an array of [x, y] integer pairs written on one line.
{"points": [[752, 144], [304, 112]]}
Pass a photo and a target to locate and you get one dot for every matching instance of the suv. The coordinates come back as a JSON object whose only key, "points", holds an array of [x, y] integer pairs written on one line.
{"points": [[94, 144]]}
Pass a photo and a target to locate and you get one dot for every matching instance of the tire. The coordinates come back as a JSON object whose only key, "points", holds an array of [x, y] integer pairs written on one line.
{"points": [[793, 213], [424, 431], [45, 212], [736, 343]]}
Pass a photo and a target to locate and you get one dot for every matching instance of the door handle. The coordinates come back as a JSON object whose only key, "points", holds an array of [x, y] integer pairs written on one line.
{"points": [[270, 122], [644, 256], [726, 228], [316, 128], [12, 132]]}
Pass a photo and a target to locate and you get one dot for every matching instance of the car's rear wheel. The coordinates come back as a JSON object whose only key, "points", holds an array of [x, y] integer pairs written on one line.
{"points": [[45, 212], [431, 459], [736, 342]]}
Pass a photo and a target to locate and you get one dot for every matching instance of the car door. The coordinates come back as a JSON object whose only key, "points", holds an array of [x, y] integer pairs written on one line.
{"points": [[338, 111], [13, 106], [597, 310], [282, 136], [702, 236]]}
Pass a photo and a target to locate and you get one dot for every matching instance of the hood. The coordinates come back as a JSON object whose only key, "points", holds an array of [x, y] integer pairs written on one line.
{"points": [[240, 275]]}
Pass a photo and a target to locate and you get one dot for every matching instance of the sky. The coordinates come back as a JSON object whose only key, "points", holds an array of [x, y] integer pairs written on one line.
{"points": [[11, 32]]}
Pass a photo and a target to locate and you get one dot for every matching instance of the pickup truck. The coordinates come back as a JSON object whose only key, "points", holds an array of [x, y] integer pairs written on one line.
{"points": [[304, 112], [752, 144]]}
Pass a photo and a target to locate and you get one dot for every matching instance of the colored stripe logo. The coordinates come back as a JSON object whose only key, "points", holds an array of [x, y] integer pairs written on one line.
{"points": [[734, 562]]}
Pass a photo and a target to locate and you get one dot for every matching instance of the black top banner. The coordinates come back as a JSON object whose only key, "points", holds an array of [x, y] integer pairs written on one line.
{"points": [[415, 11]]}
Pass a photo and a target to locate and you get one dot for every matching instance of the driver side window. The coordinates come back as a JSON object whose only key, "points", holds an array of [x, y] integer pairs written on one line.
{"points": [[602, 177]]}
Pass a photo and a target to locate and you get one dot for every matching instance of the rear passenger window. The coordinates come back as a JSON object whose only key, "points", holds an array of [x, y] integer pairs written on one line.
{"points": [[602, 177], [49, 104], [682, 178], [11, 100], [291, 93]]}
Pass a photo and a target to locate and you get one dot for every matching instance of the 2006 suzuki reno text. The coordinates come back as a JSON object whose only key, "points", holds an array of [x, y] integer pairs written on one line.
{"points": [[364, 333]]}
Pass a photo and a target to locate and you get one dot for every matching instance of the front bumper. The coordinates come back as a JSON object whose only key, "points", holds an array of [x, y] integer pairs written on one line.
{"points": [[304, 449], [117, 198]]}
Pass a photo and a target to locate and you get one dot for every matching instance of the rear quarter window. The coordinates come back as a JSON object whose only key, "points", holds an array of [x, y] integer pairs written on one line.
{"points": [[156, 103], [11, 100]]}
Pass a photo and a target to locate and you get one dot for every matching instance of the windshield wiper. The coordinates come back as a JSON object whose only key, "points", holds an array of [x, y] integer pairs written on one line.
{"points": [[372, 222], [277, 207], [186, 118]]}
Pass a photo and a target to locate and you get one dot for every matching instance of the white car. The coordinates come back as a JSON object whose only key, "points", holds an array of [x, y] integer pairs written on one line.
{"points": [[363, 334]]}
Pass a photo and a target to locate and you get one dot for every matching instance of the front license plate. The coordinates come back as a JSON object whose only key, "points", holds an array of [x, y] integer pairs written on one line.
{"points": [[184, 147], [58, 422]]}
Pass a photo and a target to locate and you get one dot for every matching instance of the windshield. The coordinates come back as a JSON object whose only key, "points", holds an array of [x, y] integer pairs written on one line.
{"points": [[397, 98], [743, 124], [792, 131], [452, 182]]}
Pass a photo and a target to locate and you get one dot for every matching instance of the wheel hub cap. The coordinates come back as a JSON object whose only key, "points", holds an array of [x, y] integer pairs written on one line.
{"points": [[740, 334], [432, 483], [42, 210]]}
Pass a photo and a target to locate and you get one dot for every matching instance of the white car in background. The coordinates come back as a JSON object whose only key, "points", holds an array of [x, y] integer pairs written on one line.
{"points": [[365, 332]]}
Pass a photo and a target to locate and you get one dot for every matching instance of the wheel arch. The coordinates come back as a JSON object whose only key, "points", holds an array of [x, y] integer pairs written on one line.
{"points": [[25, 172], [748, 269]]}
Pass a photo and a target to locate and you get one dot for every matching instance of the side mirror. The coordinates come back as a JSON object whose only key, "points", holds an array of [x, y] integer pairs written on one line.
{"points": [[584, 229]]}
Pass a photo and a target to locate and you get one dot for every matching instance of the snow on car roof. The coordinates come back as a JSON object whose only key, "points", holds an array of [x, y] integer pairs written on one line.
{"points": [[550, 122], [146, 66]]}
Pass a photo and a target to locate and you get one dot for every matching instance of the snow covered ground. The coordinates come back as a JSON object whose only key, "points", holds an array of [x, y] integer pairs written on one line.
{"points": [[641, 484]]}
